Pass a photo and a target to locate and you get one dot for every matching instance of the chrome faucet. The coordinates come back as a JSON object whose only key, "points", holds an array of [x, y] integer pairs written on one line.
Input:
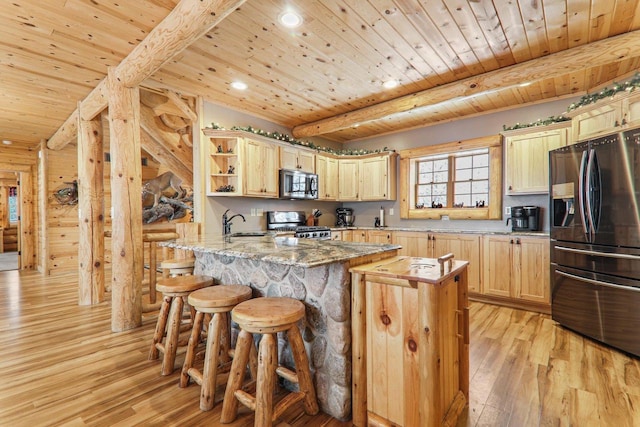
{"points": [[226, 222]]}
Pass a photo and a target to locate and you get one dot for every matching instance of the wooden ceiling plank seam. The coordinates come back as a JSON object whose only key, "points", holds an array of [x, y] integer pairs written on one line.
{"points": [[511, 21], [600, 19], [555, 16], [375, 43], [610, 50], [394, 24], [335, 41], [578, 18], [188, 21], [532, 14], [434, 48], [469, 28], [446, 33], [623, 16], [488, 20]]}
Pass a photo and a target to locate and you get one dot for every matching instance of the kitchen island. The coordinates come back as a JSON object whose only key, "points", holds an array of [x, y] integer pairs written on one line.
{"points": [[313, 271]]}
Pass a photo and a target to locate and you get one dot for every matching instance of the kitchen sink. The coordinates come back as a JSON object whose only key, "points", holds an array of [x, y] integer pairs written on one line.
{"points": [[251, 234]]}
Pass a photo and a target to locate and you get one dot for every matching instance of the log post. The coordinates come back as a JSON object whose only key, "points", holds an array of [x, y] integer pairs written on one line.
{"points": [[26, 241], [126, 202], [90, 211], [43, 195]]}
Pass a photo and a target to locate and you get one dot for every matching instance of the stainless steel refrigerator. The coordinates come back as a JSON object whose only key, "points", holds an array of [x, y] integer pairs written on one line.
{"points": [[595, 238]]}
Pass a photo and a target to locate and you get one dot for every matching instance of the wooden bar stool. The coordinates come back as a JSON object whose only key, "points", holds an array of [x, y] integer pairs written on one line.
{"points": [[174, 290], [177, 267], [267, 316], [218, 301]]}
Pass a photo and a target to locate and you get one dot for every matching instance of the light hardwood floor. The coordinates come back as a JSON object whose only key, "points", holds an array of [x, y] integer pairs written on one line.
{"points": [[61, 365]]}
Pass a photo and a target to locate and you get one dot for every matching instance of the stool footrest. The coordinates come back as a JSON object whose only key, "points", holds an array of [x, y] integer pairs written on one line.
{"points": [[286, 402], [195, 375], [287, 374], [246, 399]]}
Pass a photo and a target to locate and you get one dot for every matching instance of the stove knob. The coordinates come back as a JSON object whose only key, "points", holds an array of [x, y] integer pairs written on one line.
{"points": [[314, 234]]}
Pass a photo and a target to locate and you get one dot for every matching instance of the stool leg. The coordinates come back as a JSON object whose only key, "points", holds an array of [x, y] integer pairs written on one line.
{"points": [[302, 370], [173, 332], [267, 364], [209, 375], [160, 326], [238, 366], [225, 338], [194, 340]]}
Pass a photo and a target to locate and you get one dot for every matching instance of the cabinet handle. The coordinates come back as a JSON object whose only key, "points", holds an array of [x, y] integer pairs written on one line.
{"points": [[517, 241], [617, 123], [511, 242], [510, 188], [624, 121]]}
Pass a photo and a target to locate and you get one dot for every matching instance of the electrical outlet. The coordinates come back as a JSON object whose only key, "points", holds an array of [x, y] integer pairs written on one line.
{"points": [[444, 217], [390, 211], [253, 211], [507, 210]]}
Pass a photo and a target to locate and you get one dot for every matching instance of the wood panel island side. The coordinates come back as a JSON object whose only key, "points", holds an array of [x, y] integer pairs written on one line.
{"points": [[315, 272]]}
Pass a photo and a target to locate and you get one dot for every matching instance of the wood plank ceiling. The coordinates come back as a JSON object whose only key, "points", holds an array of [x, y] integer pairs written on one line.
{"points": [[52, 53]]}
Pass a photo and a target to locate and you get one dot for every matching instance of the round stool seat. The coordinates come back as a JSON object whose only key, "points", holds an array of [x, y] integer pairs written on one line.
{"points": [[178, 263], [220, 298], [183, 284], [268, 315]]}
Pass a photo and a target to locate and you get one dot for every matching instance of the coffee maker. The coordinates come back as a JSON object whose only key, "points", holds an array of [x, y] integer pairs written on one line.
{"points": [[524, 218], [344, 217]]}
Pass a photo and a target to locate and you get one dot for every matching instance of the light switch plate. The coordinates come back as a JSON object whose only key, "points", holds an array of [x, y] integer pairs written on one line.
{"points": [[253, 211], [507, 210], [390, 211]]}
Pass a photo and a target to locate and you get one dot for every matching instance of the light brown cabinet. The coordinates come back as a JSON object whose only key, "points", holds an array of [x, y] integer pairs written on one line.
{"points": [[603, 117], [354, 235], [297, 159], [349, 179], [379, 236], [261, 159], [378, 178], [223, 166], [517, 268], [327, 170], [527, 158]]}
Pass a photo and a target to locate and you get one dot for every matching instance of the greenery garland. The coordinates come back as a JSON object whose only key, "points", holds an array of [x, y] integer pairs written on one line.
{"points": [[590, 98], [286, 138]]}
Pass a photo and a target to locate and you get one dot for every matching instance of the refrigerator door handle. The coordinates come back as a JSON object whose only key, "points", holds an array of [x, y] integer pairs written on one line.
{"points": [[595, 253], [581, 194], [589, 195], [597, 282]]}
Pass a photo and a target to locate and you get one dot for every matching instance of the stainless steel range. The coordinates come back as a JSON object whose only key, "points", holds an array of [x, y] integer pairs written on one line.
{"points": [[283, 221]]}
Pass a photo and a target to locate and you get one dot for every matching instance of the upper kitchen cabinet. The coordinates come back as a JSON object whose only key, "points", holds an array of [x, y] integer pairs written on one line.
{"points": [[261, 158], [527, 157], [349, 182], [297, 159], [367, 178], [327, 170], [378, 177], [600, 118]]}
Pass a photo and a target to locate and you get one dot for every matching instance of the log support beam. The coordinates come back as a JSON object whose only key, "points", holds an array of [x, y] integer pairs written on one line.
{"points": [[91, 287], [126, 199]]}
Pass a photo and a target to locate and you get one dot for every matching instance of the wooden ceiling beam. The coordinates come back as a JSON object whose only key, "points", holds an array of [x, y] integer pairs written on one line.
{"points": [[602, 52], [187, 22]]}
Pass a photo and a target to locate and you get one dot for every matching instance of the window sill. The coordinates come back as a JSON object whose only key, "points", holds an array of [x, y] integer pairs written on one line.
{"points": [[452, 213]]}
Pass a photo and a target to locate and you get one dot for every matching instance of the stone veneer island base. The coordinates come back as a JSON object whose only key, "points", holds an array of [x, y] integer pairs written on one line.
{"points": [[313, 271]]}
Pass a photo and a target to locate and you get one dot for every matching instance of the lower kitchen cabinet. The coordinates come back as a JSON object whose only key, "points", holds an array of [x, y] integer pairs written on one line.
{"points": [[354, 235], [379, 236], [516, 269], [414, 243]]}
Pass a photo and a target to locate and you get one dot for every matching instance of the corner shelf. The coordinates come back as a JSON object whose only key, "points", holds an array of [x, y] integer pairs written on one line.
{"points": [[223, 157]]}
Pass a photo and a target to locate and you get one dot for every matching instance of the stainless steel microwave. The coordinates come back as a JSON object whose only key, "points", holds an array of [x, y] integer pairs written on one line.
{"points": [[298, 185]]}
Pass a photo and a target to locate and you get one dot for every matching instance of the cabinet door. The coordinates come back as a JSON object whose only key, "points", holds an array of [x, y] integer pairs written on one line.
{"points": [[375, 180], [414, 243], [347, 235], [597, 121], [378, 236], [327, 170], [497, 265], [465, 247], [289, 158], [307, 161], [631, 111], [254, 167], [359, 236], [349, 179], [270, 168], [336, 235], [534, 269], [527, 161]]}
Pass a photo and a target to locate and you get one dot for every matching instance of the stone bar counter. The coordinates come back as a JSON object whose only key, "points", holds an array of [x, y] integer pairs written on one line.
{"points": [[315, 272]]}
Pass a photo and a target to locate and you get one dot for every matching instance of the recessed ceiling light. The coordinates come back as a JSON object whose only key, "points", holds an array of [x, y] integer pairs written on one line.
{"points": [[6, 142], [239, 85], [390, 84], [290, 19]]}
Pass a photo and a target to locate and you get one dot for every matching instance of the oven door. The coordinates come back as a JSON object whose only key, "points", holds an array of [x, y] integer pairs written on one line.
{"points": [[600, 306]]}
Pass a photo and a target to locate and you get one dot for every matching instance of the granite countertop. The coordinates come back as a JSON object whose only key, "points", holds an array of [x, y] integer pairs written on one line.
{"points": [[447, 230], [282, 250]]}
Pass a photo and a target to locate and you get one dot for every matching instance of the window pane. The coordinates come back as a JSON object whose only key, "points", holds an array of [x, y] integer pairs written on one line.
{"points": [[463, 174], [424, 190], [464, 162], [440, 176], [480, 173], [440, 189], [425, 178], [424, 167], [477, 198], [462, 200], [481, 160], [480, 187], [441, 165], [462, 188]]}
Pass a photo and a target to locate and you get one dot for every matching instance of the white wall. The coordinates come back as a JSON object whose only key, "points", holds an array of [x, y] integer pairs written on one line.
{"points": [[489, 124]]}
